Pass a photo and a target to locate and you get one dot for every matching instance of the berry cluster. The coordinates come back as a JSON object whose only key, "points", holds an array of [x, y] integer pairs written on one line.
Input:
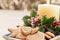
{"points": [[34, 21], [55, 23]]}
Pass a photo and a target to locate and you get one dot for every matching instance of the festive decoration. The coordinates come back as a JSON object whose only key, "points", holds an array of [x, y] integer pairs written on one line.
{"points": [[45, 24]]}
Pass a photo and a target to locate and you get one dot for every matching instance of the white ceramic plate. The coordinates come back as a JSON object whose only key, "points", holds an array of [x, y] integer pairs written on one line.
{"points": [[7, 37]]}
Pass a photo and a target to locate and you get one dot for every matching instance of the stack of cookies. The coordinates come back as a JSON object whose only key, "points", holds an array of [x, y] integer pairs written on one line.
{"points": [[26, 33]]}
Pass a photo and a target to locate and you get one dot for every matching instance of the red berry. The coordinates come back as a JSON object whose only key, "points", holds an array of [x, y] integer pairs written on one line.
{"points": [[55, 23], [35, 21], [38, 20], [45, 26], [32, 19]]}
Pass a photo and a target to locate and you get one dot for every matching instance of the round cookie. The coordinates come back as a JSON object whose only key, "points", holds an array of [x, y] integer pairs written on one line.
{"points": [[20, 36], [35, 30], [26, 30]]}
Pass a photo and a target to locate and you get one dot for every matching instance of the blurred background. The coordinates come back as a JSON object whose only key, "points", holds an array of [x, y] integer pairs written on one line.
{"points": [[24, 4]]}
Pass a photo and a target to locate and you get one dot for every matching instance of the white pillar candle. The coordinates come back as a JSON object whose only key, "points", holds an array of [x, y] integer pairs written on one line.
{"points": [[49, 10]]}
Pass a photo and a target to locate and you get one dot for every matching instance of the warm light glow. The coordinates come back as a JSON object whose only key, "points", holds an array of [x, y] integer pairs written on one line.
{"points": [[49, 10]]}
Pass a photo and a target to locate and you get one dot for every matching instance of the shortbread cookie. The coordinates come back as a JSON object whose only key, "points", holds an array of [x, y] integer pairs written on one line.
{"points": [[50, 34], [21, 36], [14, 34], [11, 30], [37, 36], [35, 30], [47, 36], [26, 30]]}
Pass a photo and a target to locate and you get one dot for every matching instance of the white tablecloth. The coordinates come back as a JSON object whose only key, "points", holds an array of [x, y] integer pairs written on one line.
{"points": [[10, 19]]}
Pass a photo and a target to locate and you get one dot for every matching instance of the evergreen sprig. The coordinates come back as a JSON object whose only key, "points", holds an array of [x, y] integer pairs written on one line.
{"points": [[33, 13], [47, 21], [25, 18]]}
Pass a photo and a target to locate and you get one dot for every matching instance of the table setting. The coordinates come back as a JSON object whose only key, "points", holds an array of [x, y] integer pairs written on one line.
{"points": [[33, 22], [41, 24]]}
